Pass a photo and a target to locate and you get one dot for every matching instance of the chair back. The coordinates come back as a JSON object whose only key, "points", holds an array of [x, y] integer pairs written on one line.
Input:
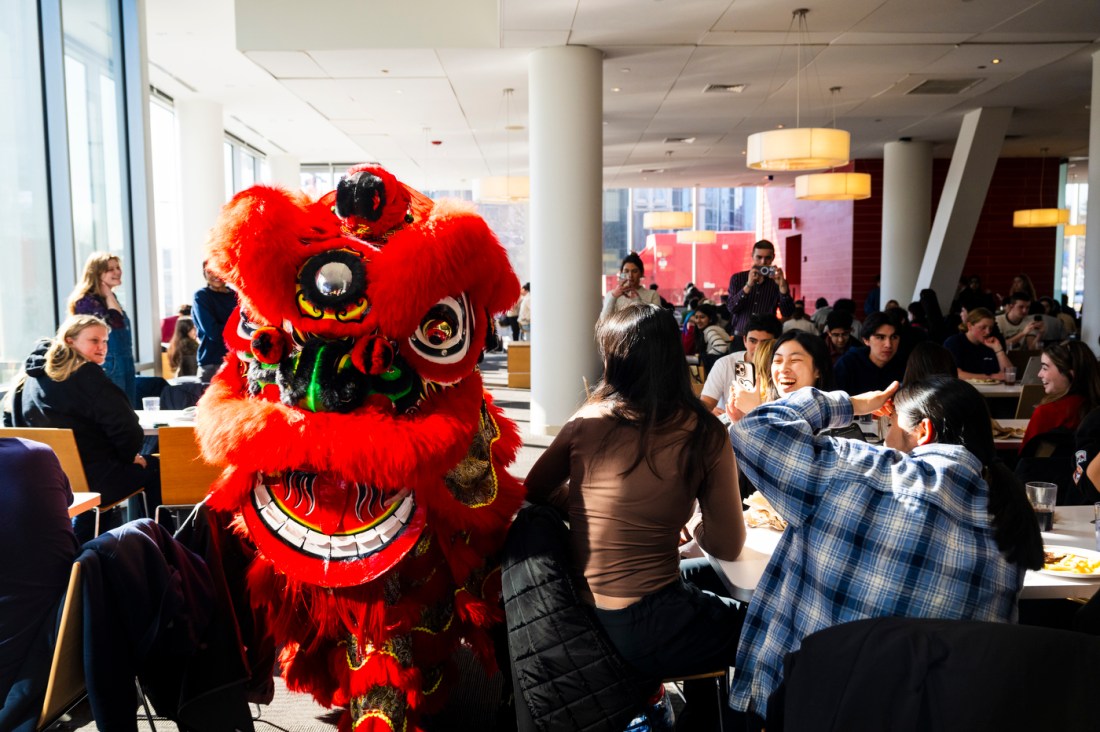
{"points": [[166, 369], [64, 446], [1030, 396], [185, 478], [66, 683]]}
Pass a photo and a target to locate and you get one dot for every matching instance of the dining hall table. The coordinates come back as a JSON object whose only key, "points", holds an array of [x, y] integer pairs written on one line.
{"points": [[151, 420], [83, 501], [1073, 528]]}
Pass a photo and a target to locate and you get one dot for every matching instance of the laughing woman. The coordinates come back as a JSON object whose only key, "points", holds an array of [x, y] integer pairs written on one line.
{"points": [[1071, 384]]}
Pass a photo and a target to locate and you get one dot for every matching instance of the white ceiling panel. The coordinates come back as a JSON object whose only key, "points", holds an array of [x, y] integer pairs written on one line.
{"points": [[320, 93]]}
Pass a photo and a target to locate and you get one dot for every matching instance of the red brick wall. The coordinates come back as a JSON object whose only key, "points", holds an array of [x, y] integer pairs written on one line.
{"points": [[998, 251], [826, 229]]}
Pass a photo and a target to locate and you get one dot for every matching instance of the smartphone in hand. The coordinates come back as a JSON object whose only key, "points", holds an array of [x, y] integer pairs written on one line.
{"points": [[744, 375]]}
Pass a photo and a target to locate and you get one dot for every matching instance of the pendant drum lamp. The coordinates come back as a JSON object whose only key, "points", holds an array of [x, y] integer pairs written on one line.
{"points": [[667, 220], [833, 186], [1035, 218], [800, 148], [1075, 230], [696, 237]]}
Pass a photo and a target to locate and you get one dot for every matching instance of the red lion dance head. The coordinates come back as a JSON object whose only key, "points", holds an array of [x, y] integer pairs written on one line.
{"points": [[364, 459]]}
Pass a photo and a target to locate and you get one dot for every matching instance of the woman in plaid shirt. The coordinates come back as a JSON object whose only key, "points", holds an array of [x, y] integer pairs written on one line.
{"points": [[928, 526]]}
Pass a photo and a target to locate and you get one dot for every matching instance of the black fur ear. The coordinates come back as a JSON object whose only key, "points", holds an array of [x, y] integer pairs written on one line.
{"points": [[361, 194]]}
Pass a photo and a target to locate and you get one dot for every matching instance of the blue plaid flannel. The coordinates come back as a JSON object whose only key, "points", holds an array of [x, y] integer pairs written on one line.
{"points": [[872, 532]]}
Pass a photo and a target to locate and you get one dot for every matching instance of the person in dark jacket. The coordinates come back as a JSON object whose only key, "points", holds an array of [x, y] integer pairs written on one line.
{"points": [[35, 528], [214, 304], [65, 387]]}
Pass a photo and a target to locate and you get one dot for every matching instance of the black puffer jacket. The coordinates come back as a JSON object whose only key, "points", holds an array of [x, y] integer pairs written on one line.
{"points": [[104, 424], [565, 668]]}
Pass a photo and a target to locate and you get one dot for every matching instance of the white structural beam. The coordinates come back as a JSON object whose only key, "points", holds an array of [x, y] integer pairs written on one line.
{"points": [[1090, 313], [976, 151]]}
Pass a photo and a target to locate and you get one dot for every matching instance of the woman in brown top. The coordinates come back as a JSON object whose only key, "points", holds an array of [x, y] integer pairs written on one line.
{"points": [[628, 468]]}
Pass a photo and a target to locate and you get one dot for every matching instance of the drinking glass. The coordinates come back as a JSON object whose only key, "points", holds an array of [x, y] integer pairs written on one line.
{"points": [[1043, 497], [1010, 375], [150, 404]]}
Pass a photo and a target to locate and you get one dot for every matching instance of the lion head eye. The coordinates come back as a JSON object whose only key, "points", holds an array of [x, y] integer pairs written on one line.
{"points": [[334, 279], [444, 332]]}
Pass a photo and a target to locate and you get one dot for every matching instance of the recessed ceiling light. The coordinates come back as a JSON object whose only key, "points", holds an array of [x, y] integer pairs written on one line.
{"points": [[616, 89], [779, 127], [996, 60], [625, 69]]}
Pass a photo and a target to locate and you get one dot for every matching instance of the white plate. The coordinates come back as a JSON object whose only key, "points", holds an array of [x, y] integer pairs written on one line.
{"points": [[1085, 553]]}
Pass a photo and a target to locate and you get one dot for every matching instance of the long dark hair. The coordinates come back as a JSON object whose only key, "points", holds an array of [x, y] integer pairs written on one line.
{"points": [[929, 359], [959, 416], [819, 352], [646, 384]]}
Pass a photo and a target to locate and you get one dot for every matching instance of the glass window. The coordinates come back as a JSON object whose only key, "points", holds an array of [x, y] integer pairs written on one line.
{"points": [[27, 298], [94, 111], [166, 205]]}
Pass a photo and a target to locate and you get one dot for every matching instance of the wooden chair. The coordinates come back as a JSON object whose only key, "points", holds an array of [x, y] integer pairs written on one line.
{"points": [[185, 478], [1030, 396], [64, 446], [65, 687]]}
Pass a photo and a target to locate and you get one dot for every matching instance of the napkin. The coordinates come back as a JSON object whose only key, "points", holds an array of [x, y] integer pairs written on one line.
{"points": [[759, 513]]}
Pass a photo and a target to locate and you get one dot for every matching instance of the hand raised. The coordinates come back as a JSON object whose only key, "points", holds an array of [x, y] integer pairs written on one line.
{"points": [[870, 402]]}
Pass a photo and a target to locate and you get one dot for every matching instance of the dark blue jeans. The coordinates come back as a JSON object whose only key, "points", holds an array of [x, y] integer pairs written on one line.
{"points": [[675, 632]]}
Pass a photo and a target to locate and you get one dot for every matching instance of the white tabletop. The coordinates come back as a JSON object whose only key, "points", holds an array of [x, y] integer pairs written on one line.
{"points": [[999, 390], [150, 421], [1072, 527]]}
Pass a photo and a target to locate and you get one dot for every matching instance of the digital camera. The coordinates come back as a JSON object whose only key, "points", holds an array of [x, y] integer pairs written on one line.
{"points": [[766, 270]]}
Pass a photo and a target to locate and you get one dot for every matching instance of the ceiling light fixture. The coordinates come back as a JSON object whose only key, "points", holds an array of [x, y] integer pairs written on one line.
{"points": [[798, 148], [1074, 230], [507, 188], [667, 220], [833, 186], [1036, 218]]}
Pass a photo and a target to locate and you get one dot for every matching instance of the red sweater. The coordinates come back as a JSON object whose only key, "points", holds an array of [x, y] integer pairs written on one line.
{"points": [[1061, 413]]}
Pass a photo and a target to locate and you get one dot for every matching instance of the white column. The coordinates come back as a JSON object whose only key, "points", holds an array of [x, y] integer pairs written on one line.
{"points": [[202, 180], [566, 111], [286, 171], [1090, 318], [976, 151], [906, 217]]}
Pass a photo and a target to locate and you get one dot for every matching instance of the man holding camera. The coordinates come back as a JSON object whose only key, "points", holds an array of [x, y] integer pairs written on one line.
{"points": [[758, 291]]}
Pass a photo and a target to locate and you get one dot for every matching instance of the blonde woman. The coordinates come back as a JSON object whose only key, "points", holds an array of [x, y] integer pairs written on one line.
{"points": [[95, 295], [65, 387]]}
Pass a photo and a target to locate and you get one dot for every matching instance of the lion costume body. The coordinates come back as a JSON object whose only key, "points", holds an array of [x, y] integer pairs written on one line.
{"points": [[364, 459]]}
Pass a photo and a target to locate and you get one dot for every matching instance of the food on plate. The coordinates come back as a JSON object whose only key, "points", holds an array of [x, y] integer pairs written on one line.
{"points": [[983, 381], [758, 512], [1070, 563]]}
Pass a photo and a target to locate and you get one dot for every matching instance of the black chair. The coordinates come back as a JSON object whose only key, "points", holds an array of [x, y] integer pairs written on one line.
{"points": [[908, 675], [1049, 458]]}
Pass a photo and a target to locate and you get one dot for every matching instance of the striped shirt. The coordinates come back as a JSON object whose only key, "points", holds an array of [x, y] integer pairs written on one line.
{"points": [[763, 299], [873, 532]]}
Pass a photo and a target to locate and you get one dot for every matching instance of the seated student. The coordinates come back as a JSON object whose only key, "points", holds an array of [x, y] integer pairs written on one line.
{"points": [[761, 329], [1071, 388], [929, 359], [38, 546], [927, 525], [838, 334], [1019, 329], [977, 352], [799, 320], [628, 468], [877, 364], [908, 336], [183, 349], [65, 387], [821, 311], [711, 340]]}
